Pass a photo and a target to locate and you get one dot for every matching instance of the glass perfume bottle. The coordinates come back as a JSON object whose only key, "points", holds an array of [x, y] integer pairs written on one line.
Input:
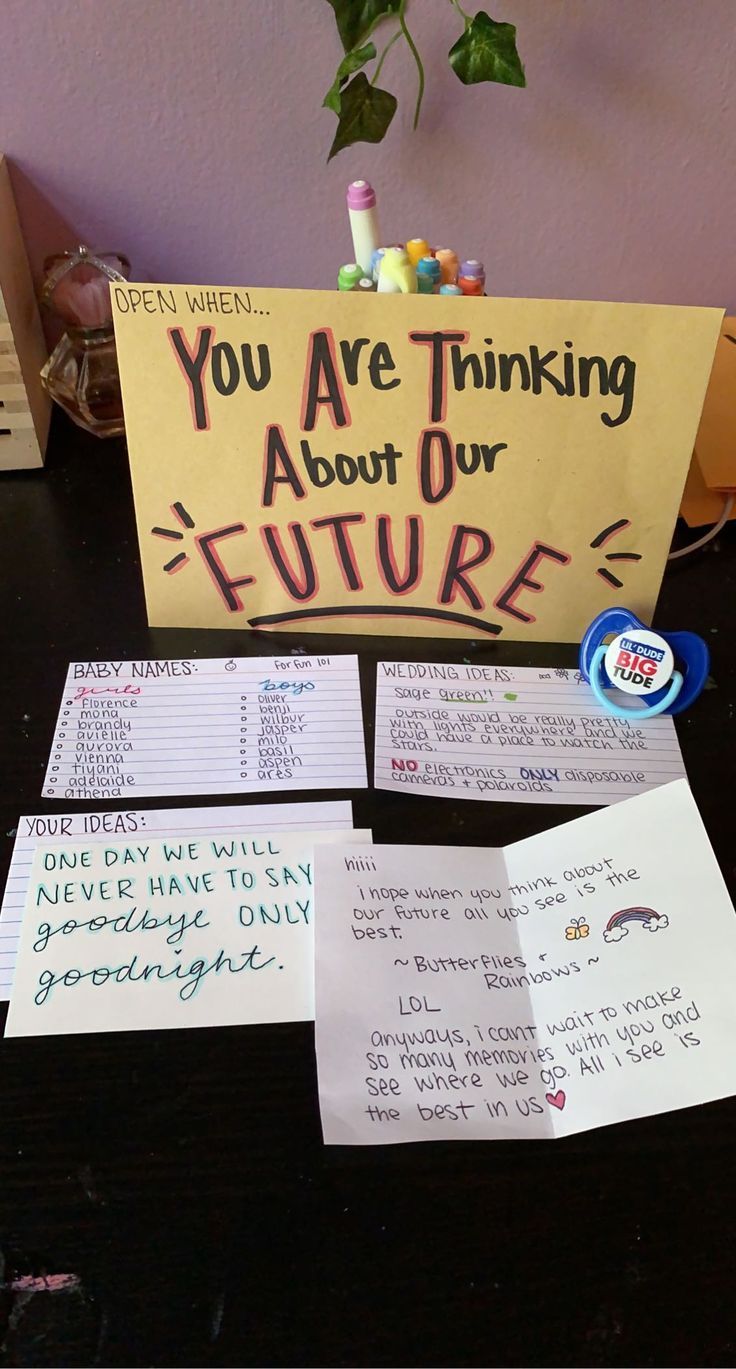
{"points": [[82, 374]]}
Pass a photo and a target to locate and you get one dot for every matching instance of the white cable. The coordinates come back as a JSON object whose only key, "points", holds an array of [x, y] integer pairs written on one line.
{"points": [[728, 504]]}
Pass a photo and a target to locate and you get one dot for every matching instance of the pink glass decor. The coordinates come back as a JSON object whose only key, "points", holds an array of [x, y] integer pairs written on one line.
{"points": [[82, 372]]}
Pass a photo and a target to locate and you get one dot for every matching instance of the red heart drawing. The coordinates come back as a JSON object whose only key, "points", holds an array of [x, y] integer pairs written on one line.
{"points": [[557, 1100]]}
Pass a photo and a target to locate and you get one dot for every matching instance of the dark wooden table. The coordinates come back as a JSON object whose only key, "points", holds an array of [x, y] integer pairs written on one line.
{"points": [[181, 1176]]}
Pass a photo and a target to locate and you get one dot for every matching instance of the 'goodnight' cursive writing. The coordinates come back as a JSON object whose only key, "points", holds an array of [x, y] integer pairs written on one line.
{"points": [[189, 976]]}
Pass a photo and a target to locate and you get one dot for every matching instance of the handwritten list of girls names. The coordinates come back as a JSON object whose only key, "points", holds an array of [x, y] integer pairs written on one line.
{"points": [[128, 728], [578, 978], [179, 932], [515, 734], [72, 828]]}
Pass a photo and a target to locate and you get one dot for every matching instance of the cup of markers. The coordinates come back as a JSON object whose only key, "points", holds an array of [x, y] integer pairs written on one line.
{"points": [[401, 268]]}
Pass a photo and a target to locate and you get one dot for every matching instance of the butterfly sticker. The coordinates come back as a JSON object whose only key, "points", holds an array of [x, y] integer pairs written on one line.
{"points": [[578, 927]]}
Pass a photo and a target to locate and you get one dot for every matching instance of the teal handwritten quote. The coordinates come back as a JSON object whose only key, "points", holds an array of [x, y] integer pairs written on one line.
{"points": [[167, 933]]}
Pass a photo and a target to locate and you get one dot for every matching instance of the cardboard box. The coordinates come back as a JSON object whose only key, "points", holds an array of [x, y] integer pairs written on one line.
{"points": [[25, 408]]}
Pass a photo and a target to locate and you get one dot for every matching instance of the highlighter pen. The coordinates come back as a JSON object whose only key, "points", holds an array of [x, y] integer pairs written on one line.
{"points": [[417, 248], [472, 278], [449, 264], [396, 274], [450, 289], [428, 276], [348, 275], [363, 223], [376, 262]]}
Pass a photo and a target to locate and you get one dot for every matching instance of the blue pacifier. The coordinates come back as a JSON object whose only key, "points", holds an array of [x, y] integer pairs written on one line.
{"points": [[665, 670]]}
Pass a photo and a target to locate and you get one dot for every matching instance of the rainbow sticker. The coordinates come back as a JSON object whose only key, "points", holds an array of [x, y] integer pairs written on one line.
{"points": [[617, 926]]}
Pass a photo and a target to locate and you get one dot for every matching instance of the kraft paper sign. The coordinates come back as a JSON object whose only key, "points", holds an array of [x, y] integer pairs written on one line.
{"points": [[424, 466], [714, 443]]}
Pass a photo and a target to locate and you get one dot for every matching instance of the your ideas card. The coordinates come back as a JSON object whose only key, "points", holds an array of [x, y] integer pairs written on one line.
{"points": [[192, 931], [70, 828]]}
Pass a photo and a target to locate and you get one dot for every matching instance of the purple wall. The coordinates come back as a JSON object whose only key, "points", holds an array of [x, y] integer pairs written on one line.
{"points": [[190, 135]]}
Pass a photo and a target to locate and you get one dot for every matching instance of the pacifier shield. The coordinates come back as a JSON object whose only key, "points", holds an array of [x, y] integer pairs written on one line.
{"points": [[639, 661]]}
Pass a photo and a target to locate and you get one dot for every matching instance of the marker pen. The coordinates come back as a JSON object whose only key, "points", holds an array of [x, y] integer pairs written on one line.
{"points": [[428, 276], [376, 262], [450, 289], [449, 264], [363, 222], [348, 275], [472, 277], [364, 286], [417, 248], [396, 274]]}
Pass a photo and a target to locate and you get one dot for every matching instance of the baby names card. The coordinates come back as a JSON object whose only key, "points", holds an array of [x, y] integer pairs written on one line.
{"points": [[73, 828], [189, 931], [130, 728], [578, 978], [516, 734]]}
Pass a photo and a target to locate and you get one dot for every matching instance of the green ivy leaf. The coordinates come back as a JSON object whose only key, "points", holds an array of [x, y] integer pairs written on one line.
{"points": [[350, 63], [365, 114], [356, 18], [486, 51]]}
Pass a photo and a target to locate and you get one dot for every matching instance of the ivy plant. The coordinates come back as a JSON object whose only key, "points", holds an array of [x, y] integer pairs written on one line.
{"points": [[485, 51]]}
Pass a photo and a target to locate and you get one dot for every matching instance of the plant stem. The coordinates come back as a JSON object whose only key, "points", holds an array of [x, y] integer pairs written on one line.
{"points": [[398, 34], [417, 59], [461, 12], [374, 25]]}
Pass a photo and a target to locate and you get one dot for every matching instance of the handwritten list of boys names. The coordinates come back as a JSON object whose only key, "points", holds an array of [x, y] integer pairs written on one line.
{"points": [[128, 728], [183, 932], [72, 828], [579, 978], [515, 734]]}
